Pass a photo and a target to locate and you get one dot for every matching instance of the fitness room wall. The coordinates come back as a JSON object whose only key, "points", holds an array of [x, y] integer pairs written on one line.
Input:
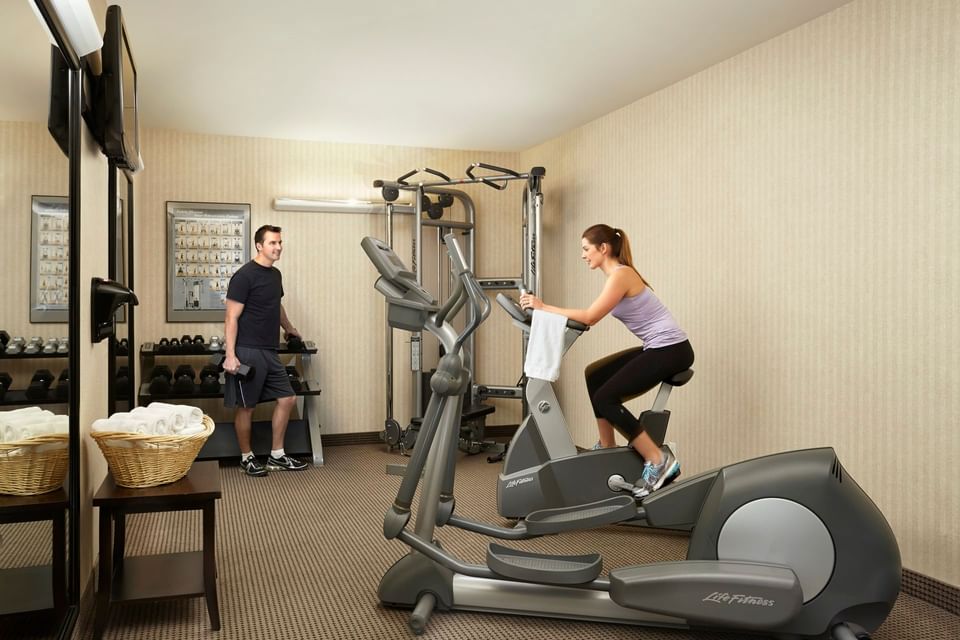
{"points": [[790, 202]]}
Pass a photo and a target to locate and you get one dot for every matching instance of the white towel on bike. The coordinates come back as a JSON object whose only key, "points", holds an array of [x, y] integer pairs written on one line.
{"points": [[545, 348]]}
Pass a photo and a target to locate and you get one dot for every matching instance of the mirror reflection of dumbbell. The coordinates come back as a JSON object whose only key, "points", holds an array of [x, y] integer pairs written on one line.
{"points": [[40, 384], [121, 383], [5, 381]]}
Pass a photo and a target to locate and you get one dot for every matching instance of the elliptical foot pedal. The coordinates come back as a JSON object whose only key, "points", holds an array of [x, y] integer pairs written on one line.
{"points": [[542, 567], [581, 516]]}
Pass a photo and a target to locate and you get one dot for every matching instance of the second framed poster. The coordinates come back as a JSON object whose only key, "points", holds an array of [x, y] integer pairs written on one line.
{"points": [[207, 243]]}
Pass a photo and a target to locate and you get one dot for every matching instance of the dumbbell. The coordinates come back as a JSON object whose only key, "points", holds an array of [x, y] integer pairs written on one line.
{"points": [[50, 346], [183, 379], [4, 338], [123, 347], [294, 377], [210, 379], [215, 343], [199, 344], [63, 345], [121, 384], [245, 373], [163, 346], [5, 381], [15, 345], [63, 385], [33, 346], [175, 346], [40, 384], [294, 343], [160, 378]]}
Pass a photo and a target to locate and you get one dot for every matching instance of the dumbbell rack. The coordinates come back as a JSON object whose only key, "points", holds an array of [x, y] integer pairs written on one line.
{"points": [[303, 434], [18, 397]]}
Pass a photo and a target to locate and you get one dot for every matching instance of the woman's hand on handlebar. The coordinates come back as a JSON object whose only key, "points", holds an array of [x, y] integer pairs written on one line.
{"points": [[530, 301]]}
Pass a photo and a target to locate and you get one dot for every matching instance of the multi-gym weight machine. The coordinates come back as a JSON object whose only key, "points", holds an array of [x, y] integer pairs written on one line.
{"points": [[429, 213]]}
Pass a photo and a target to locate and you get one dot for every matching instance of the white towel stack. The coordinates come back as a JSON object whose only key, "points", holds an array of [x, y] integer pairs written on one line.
{"points": [[29, 422], [157, 418], [545, 348]]}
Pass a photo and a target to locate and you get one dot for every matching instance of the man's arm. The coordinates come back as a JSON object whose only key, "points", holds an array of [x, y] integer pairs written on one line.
{"points": [[288, 327], [230, 323]]}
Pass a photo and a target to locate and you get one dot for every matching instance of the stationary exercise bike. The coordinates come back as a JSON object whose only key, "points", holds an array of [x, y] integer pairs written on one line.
{"points": [[786, 545], [542, 468]]}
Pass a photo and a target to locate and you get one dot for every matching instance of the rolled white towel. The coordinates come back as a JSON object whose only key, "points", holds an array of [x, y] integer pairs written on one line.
{"points": [[11, 428], [59, 424], [126, 424], [191, 415], [161, 422], [193, 429], [19, 412]]}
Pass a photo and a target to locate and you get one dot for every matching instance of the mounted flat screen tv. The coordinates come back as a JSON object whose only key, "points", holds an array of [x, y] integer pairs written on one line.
{"points": [[118, 95]]}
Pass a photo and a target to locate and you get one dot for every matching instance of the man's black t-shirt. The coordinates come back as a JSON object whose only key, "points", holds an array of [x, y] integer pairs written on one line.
{"points": [[259, 289]]}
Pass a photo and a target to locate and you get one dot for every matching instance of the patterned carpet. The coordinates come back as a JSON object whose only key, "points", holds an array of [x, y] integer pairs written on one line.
{"points": [[300, 555]]}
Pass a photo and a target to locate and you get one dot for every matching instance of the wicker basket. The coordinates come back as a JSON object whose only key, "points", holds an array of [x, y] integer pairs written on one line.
{"points": [[142, 460], [34, 466]]}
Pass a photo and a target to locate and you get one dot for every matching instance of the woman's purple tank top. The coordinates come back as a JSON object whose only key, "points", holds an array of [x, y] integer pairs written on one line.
{"points": [[646, 317]]}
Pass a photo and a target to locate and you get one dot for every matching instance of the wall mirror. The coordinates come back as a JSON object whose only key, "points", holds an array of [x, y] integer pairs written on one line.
{"points": [[38, 535]]}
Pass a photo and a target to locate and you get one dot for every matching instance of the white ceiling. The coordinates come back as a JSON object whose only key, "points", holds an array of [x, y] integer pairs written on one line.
{"points": [[482, 75]]}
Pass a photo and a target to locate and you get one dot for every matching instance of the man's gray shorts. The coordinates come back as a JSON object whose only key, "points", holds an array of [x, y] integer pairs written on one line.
{"points": [[269, 381]]}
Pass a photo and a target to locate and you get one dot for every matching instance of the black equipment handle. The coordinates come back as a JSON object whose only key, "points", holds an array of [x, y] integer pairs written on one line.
{"points": [[403, 179], [489, 180]]}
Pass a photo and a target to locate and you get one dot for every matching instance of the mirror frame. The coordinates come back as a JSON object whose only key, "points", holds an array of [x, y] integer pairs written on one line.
{"points": [[113, 270], [73, 329]]}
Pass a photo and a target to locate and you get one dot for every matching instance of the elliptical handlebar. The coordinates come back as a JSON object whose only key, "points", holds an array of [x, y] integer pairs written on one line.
{"points": [[478, 299]]}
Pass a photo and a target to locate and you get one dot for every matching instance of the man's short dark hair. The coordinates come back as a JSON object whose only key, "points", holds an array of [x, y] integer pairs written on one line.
{"points": [[262, 231]]}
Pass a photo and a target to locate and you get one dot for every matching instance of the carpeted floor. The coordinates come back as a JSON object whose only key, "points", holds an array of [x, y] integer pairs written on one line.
{"points": [[300, 556]]}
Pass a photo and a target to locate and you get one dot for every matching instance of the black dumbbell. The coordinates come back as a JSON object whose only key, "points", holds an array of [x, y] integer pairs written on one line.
{"points": [[4, 338], [183, 379], [294, 377], [122, 383], [40, 384], [199, 344], [123, 347], [245, 373], [210, 379], [160, 378], [5, 381], [294, 343], [63, 385], [163, 346]]}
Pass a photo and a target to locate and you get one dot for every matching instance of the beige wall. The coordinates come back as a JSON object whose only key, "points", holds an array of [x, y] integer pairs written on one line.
{"points": [[796, 207], [327, 279]]}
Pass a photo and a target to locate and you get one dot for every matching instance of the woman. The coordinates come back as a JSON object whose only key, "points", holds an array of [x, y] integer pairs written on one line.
{"points": [[666, 350]]}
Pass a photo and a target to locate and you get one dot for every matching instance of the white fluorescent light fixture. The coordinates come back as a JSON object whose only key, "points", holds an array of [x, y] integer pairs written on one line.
{"points": [[337, 206], [79, 26]]}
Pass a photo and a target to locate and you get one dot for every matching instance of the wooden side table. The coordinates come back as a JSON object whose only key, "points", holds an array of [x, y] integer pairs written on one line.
{"points": [[158, 577], [32, 589]]}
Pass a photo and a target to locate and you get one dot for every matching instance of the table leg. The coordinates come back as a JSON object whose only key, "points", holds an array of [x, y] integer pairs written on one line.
{"points": [[119, 539], [210, 563], [60, 562], [105, 576]]}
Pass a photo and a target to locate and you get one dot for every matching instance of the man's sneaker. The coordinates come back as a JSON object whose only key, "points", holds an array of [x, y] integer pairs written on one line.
{"points": [[253, 467], [597, 446], [655, 475], [286, 463]]}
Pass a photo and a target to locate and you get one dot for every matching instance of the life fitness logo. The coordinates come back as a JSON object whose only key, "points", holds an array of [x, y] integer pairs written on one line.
{"points": [[738, 598], [518, 482]]}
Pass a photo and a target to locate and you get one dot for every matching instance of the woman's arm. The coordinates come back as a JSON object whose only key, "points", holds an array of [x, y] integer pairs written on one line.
{"points": [[613, 291]]}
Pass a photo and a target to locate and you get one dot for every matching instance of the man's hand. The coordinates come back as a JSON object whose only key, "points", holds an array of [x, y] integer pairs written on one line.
{"points": [[231, 364]]}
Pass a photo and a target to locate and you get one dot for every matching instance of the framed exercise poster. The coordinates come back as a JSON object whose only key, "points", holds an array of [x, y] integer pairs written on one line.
{"points": [[207, 243], [50, 258]]}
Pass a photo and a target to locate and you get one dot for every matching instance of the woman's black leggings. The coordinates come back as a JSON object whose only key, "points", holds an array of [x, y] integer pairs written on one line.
{"points": [[617, 378]]}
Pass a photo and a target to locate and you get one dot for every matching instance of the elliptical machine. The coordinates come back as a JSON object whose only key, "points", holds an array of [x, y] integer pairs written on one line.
{"points": [[786, 545], [542, 468]]}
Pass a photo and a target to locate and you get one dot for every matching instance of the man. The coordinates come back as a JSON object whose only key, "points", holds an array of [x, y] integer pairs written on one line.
{"points": [[252, 325]]}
